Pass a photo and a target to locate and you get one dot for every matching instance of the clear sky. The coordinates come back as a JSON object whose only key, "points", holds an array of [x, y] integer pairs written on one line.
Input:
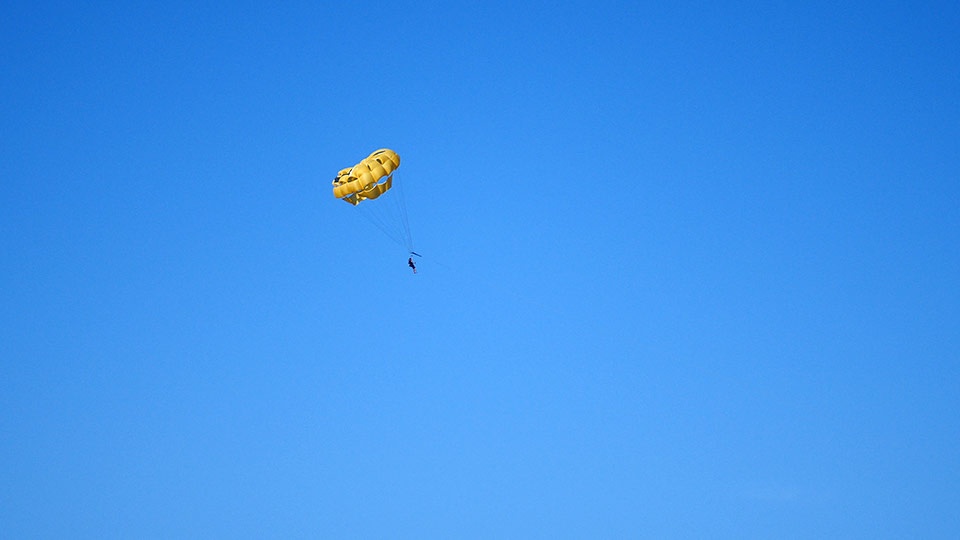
{"points": [[690, 270]]}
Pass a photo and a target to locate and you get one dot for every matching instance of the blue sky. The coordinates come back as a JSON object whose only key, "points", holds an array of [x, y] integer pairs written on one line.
{"points": [[690, 270]]}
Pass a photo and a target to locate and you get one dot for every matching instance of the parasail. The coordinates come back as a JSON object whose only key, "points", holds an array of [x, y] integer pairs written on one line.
{"points": [[368, 179], [373, 178]]}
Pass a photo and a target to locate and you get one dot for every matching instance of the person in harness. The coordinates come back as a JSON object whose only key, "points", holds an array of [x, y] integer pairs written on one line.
{"points": [[412, 265]]}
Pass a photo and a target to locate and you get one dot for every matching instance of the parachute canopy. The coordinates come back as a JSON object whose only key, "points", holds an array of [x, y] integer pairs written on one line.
{"points": [[371, 179], [368, 179]]}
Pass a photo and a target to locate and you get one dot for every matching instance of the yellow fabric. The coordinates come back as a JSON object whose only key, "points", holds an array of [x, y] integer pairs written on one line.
{"points": [[368, 179]]}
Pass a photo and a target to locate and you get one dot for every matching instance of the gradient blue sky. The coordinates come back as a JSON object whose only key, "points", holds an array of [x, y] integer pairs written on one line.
{"points": [[690, 270]]}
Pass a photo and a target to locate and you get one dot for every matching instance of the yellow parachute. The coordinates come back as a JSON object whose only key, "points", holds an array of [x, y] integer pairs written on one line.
{"points": [[368, 179]]}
